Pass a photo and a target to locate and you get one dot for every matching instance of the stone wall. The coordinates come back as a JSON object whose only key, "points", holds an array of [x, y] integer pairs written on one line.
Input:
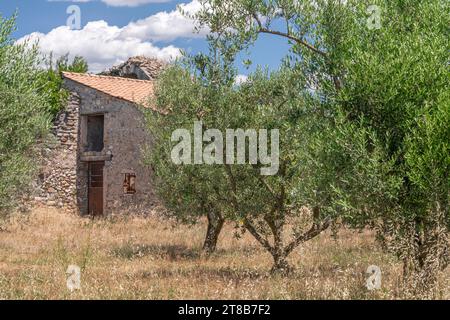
{"points": [[58, 176]]}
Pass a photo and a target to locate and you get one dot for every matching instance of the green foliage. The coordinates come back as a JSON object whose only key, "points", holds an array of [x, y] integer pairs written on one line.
{"points": [[387, 92], [396, 81], [186, 190], [24, 117], [57, 95], [203, 89]]}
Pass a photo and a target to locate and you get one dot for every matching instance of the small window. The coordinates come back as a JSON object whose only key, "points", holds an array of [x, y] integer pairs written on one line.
{"points": [[129, 184]]}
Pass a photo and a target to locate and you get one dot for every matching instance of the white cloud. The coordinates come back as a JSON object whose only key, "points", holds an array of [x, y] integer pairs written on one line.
{"points": [[99, 43], [240, 79], [131, 3], [118, 3], [104, 45], [165, 25]]}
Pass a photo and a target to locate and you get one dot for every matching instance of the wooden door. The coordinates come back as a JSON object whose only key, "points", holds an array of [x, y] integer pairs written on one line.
{"points": [[95, 188]]}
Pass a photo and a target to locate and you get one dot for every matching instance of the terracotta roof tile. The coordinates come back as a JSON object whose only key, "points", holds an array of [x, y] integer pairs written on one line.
{"points": [[132, 90]]}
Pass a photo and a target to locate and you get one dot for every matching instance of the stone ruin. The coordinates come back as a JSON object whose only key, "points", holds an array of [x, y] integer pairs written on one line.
{"points": [[140, 67], [59, 180]]}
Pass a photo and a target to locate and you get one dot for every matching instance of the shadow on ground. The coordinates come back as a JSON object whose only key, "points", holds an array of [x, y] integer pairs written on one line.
{"points": [[224, 273], [174, 252], [166, 252]]}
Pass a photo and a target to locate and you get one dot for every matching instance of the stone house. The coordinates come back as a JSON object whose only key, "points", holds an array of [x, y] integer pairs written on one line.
{"points": [[95, 165]]}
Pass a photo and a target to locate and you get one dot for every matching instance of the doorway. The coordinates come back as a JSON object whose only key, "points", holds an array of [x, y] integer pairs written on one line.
{"points": [[95, 188]]}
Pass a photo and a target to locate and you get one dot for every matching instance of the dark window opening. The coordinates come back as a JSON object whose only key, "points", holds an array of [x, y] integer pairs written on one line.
{"points": [[129, 184], [95, 132]]}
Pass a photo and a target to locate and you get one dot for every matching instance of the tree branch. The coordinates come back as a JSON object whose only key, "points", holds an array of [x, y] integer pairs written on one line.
{"points": [[286, 35], [269, 188], [233, 186], [264, 242], [300, 41], [315, 230], [247, 224]]}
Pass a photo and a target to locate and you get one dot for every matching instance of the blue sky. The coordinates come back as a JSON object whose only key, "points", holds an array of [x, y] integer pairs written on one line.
{"points": [[112, 30]]}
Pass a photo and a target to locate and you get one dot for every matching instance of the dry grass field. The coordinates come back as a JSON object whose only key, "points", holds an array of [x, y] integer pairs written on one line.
{"points": [[149, 258]]}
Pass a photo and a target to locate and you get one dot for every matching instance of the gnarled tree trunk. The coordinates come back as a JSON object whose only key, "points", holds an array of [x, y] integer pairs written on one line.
{"points": [[280, 264], [429, 256], [215, 225], [279, 254], [279, 249]]}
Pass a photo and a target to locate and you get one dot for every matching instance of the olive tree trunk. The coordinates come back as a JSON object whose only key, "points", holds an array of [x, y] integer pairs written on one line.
{"points": [[279, 250], [428, 255], [215, 225]]}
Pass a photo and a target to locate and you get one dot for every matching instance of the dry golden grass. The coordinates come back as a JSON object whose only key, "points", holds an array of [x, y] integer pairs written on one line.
{"points": [[148, 258]]}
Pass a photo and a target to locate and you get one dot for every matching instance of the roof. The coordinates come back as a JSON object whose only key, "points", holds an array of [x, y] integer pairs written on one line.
{"points": [[132, 90]]}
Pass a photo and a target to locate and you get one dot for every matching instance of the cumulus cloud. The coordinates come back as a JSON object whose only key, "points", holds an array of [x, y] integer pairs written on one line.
{"points": [[165, 26], [101, 45], [104, 45], [131, 3], [117, 3]]}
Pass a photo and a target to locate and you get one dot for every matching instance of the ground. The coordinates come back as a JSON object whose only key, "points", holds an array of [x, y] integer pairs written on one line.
{"points": [[151, 258]]}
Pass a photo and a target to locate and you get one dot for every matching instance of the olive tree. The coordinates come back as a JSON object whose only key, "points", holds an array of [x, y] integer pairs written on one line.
{"points": [[380, 69], [24, 116], [275, 105], [395, 85], [185, 191]]}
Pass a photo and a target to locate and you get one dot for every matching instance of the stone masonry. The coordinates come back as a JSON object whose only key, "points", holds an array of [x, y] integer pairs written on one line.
{"points": [[63, 180], [139, 67], [58, 176]]}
